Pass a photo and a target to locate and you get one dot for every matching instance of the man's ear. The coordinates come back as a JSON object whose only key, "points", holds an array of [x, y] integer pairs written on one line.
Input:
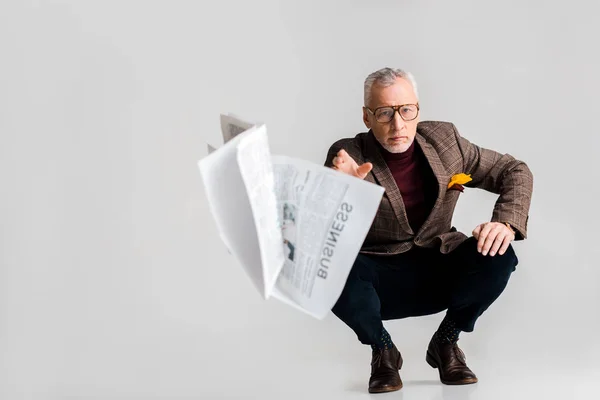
{"points": [[366, 118]]}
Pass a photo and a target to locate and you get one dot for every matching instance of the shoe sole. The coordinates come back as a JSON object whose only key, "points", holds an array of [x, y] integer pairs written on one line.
{"points": [[433, 363], [386, 389]]}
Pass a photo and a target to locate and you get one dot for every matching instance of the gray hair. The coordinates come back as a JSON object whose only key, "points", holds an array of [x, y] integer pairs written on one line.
{"points": [[386, 77]]}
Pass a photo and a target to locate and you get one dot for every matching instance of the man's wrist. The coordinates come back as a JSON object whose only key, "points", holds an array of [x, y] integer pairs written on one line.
{"points": [[511, 228]]}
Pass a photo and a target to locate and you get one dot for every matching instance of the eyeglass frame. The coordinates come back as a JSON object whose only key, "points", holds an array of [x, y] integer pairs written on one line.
{"points": [[396, 110]]}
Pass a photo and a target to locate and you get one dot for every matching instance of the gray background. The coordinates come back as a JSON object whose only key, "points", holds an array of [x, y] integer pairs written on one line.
{"points": [[113, 281]]}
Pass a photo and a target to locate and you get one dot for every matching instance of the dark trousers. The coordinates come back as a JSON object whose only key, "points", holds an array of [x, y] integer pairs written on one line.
{"points": [[422, 282]]}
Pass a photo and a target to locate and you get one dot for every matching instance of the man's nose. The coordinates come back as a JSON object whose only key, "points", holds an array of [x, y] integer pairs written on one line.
{"points": [[397, 121]]}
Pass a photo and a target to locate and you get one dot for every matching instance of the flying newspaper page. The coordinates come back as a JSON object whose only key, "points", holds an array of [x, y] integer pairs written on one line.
{"points": [[295, 226]]}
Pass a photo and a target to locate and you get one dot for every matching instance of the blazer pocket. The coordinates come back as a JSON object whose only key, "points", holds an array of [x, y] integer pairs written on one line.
{"points": [[456, 188]]}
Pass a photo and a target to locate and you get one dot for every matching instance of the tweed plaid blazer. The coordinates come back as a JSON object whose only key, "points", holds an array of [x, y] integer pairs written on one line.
{"points": [[447, 154]]}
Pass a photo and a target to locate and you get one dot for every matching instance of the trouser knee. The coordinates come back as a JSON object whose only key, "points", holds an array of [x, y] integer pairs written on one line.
{"points": [[365, 323], [500, 268]]}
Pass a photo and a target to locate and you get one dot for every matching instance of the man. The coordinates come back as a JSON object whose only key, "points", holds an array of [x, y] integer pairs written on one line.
{"points": [[413, 262]]}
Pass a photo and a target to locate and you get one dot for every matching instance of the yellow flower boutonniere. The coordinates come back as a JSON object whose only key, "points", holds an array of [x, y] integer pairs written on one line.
{"points": [[457, 181]]}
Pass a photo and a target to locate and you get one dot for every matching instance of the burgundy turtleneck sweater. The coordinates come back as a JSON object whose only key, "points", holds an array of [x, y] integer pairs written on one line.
{"points": [[416, 182]]}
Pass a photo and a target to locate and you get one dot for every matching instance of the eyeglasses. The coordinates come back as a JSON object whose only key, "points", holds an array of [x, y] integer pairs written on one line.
{"points": [[407, 112]]}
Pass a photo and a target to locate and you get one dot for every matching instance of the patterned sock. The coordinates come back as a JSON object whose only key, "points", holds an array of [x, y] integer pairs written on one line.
{"points": [[448, 332], [385, 341]]}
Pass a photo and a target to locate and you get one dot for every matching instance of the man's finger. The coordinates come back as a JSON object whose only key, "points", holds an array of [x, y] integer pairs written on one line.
{"points": [[497, 243], [343, 154], [348, 159], [489, 241], [477, 231], [483, 236], [364, 169], [505, 244]]}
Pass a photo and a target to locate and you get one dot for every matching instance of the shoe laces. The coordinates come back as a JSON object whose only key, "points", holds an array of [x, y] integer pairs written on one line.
{"points": [[378, 357], [460, 356]]}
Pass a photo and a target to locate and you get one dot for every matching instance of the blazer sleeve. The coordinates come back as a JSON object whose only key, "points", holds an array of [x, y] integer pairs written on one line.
{"points": [[331, 153], [504, 175]]}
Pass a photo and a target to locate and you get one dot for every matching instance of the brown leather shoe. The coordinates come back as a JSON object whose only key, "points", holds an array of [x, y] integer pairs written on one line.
{"points": [[385, 364], [451, 363]]}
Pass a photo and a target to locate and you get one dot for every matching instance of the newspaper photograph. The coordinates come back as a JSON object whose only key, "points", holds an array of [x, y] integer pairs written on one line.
{"points": [[325, 216]]}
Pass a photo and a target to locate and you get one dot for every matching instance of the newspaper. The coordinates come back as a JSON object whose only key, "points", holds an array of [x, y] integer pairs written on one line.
{"points": [[296, 227]]}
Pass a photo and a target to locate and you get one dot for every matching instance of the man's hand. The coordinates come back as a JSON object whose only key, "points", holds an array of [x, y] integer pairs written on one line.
{"points": [[346, 164], [493, 237]]}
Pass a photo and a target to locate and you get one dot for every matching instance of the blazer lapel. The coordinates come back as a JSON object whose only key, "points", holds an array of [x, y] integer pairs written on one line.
{"points": [[384, 176], [440, 174]]}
